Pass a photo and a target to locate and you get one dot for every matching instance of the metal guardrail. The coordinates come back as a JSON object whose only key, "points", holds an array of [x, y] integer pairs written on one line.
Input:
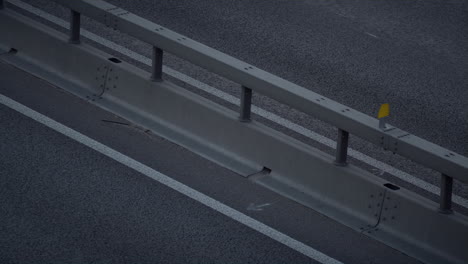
{"points": [[347, 120]]}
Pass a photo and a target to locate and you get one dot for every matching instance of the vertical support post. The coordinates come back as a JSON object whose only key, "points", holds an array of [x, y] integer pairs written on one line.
{"points": [[446, 183], [245, 104], [342, 148], [74, 27], [157, 58], [382, 123], [2, 4]]}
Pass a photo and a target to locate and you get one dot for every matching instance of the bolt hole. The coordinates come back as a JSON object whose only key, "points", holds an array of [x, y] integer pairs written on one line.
{"points": [[391, 186], [13, 51], [115, 60]]}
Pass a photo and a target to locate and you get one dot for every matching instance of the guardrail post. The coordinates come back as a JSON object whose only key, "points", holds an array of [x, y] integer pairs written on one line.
{"points": [[74, 27], [341, 148], [245, 104], [446, 183], [156, 71]]}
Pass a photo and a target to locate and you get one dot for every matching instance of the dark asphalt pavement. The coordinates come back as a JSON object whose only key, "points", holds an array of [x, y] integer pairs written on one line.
{"points": [[61, 202]]}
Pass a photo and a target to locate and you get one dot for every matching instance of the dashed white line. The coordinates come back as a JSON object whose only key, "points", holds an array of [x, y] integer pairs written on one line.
{"points": [[259, 111], [171, 183]]}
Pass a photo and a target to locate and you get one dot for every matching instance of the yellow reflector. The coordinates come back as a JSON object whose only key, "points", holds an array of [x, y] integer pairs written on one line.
{"points": [[384, 110]]}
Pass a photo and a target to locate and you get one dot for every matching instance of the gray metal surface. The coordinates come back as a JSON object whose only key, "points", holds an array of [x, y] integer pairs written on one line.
{"points": [[32, 145], [128, 92], [361, 125], [283, 214], [343, 69]]}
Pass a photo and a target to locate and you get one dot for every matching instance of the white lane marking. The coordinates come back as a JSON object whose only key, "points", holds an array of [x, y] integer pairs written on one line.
{"points": [[171, 183], [372, 35], [259, 111]]}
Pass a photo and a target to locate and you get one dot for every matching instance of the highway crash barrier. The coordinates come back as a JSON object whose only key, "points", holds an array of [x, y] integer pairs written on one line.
{"points": [[402, 219]]}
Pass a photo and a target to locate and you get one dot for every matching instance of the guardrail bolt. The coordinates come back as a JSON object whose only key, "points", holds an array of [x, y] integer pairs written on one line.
{"points": [[74, 27], [342, 148], [157, 57], [245, 104], [446, 184]]}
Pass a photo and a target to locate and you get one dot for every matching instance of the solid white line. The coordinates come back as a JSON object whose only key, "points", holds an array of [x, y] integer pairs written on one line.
{"points": [[383, 167], [171, 183]]}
